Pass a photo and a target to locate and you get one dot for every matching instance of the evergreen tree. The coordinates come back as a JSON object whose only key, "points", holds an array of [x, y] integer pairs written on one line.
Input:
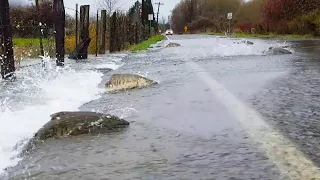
{"points": [[148, 9], [134, 12]]}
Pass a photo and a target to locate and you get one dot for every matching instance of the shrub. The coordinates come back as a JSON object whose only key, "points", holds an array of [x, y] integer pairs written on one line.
{"points": [[238, 31], [201, 24], [245, 27], [306, 24], [70, 41]]}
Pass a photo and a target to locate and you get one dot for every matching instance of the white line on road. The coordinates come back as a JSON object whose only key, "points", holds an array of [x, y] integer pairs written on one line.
{"points": [[280, 150]]}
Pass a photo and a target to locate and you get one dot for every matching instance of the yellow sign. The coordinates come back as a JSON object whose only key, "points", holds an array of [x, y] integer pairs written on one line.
{"points": [[185, 29]]}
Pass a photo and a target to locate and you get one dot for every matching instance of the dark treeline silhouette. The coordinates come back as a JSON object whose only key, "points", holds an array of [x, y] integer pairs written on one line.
{"points": [[25, 24], [260, 16], [24, 19]]}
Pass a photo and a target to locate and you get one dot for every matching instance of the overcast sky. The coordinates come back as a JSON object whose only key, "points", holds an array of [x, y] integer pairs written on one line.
{"points": [[124, 5]]}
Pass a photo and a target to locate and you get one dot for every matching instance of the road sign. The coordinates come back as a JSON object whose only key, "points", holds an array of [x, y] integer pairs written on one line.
{"points": [[150, 17], [229, 16], [185, 29]]}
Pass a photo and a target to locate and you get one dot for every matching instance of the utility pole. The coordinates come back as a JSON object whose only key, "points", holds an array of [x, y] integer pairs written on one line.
{"points": [[159, 4]]}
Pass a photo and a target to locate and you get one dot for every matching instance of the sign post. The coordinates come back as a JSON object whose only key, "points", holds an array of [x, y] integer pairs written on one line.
{"points": [[150, 18], [229, 17]]}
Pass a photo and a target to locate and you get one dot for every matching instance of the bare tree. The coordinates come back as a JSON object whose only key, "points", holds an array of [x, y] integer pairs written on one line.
{"points": [[109, 5], [163, 24], [163, 20]]}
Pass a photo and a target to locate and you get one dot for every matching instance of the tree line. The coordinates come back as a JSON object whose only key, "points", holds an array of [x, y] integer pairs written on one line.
{"points": [[24, 20], [254, 16], [25, 24]]}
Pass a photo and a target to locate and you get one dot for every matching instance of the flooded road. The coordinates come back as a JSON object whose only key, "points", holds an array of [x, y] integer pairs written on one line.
{"points": [[221, 110]]}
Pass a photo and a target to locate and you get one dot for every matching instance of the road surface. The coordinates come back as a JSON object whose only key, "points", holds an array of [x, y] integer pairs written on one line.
{"points": [[221, 110]]}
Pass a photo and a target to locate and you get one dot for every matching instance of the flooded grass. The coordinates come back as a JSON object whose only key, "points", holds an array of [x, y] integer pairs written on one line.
{"points": [[145, 44]]}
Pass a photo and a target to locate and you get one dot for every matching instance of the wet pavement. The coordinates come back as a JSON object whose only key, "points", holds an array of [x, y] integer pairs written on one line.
{"points": [[205, 118]]}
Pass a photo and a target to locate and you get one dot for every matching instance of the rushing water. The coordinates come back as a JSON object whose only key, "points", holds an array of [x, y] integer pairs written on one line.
{"points": [[179, 129]]}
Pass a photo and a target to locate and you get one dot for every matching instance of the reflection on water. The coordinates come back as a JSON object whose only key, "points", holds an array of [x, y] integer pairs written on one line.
{"points": [[149, 152]]}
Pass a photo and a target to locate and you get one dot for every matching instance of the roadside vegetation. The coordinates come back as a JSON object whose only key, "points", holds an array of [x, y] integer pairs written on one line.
{"points": [[255, 18], [146, 44], [271, 35], [30, 48], [26, 33]]}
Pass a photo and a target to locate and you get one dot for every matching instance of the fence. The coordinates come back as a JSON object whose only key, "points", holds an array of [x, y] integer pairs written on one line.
{"points": [[124, 32], [59, 33]]}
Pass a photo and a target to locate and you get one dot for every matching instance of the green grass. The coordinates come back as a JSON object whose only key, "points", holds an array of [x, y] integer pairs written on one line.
{"points": [[146, 44], [271, 35], [26, 42], [30, 47]]}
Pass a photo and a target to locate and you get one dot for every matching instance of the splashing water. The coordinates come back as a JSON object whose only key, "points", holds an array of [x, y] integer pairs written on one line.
{"points": [[223, 47], [45, 61], [27, 103], [110, 65]]}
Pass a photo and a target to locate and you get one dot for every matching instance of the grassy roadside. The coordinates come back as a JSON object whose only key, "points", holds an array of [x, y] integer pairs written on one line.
{"points": [[28, 41], [29, 47], [271, 35], [145, 44]]}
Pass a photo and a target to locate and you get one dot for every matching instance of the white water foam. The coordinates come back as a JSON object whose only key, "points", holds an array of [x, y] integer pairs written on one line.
{"points": [[109, 65], [110, 58], [121, 55], [221, 47], [57, 90]]}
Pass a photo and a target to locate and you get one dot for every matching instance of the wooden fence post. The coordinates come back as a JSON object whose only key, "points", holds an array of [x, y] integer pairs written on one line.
{"points": [[113, 21], [77, 29], [81, 51], [59, 25], [103, 32], [97, 32], [84, 29], [7, 59], [40, 29]]}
